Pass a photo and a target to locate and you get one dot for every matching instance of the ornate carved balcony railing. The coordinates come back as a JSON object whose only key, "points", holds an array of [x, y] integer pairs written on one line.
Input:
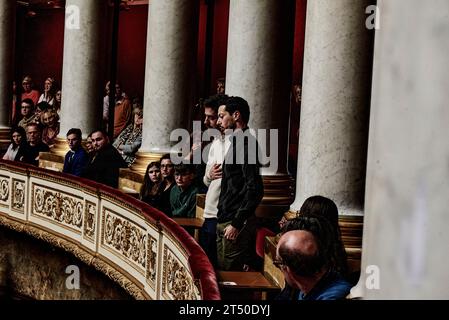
{"points": [[134, 244]]}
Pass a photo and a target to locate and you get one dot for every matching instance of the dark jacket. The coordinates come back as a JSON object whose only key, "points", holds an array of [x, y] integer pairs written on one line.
{"points": [[30, 153], [241, 183], [104, 167], [75, 162]]}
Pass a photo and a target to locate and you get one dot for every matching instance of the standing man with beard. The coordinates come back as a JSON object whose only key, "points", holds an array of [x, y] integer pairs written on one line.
{"points": [[241, 188]]}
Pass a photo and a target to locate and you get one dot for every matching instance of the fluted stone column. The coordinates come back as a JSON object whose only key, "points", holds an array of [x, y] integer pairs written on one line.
{"points": [[82, 66], [405, 242], [169, 74], [7, 33], [335, 104], [259, 64]]}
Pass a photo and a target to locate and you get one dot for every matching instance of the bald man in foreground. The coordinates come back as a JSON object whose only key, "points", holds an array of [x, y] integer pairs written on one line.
{"points": [[305, 265]]}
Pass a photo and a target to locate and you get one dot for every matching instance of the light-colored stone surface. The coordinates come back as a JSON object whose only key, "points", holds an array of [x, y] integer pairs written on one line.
{"points": [[23, 273], [406, 220], [7, 31], [335, 104], [259, 62], [81, 105], [169, 71]]}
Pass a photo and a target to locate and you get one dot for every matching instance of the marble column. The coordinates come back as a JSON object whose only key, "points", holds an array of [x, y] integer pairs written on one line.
{"points": [[83, 63], [259, 65], [405, 241], [335, 104], [169, 75], [7, 33]]}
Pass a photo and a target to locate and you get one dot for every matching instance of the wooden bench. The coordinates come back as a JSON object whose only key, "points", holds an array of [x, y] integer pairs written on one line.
{"points": [[232, 281]]}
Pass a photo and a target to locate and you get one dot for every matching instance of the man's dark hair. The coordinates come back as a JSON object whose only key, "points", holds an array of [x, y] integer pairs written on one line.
{"points": [[307, 265], [29, 102], [234, 104], [43, 106], [98, 130], [165, 156], [74, 131], [215, 101], [184, 168]]}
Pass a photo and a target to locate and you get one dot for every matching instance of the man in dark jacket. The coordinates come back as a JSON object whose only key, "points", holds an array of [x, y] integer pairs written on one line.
{"points": [[35, 145], [106, 162], [241, 188]]}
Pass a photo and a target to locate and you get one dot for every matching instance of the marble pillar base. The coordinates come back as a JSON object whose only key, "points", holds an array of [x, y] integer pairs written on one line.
{"points": [[60, 147], [143, 159]]}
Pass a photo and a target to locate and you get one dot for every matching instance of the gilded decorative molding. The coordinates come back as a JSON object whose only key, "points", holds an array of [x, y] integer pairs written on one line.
{"points": [[151, 261], [125, 237], [4, 190], [177, 283], [90, 220], [18, 195], [85, 256], [58, 206]]}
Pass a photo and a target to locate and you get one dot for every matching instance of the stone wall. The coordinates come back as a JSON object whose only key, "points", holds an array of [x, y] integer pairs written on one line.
{"points": [[33, 269]]}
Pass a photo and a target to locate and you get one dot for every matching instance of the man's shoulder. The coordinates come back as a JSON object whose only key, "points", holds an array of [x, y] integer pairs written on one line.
{"points": [[336, 289]]}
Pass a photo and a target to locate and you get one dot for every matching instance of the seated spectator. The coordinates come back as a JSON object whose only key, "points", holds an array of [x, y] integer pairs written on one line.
{"points": [[89, 146], [149, 192], [122, 115], [27, 112], [105, 164], [130, 140], [35, 145], [57, 103], [40, 108], [76, 159], [168, 182], [28, 92], [326, 208], [17, 146], [304, 256], [118, 92], [49, 92], [183, 195], [50, 120]]}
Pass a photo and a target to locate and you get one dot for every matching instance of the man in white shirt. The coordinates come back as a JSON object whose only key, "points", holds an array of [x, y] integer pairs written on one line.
{"points": [[212, 179]]}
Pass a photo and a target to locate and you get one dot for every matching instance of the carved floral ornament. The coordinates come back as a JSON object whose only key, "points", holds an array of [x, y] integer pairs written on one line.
{"points": [[177, 282], [58, 206], [126, 238], [4, 189], [18, 194]]}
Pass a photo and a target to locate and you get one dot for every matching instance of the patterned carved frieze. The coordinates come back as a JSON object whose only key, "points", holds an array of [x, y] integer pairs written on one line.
{"points": [[90, 214], [4, 191], [177, 282], [152, 261], [125, 237], [58, 206], [18, 195]]}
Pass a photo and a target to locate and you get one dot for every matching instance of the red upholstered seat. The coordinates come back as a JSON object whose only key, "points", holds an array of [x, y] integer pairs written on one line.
{"points": [[260, 238]]}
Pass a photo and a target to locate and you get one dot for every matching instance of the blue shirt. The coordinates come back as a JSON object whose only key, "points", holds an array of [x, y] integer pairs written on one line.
{"points": [[330, 287]]}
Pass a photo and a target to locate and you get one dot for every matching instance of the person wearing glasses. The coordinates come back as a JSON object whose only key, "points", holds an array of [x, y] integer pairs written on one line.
{"points": [[305, 257]]}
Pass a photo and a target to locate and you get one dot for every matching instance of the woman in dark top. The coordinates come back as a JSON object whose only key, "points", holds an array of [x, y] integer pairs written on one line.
{"points": [[149, 192], [168, 182]]}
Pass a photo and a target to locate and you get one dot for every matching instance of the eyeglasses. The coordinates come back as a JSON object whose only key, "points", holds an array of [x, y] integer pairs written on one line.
{"points": [[278, 263]]}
